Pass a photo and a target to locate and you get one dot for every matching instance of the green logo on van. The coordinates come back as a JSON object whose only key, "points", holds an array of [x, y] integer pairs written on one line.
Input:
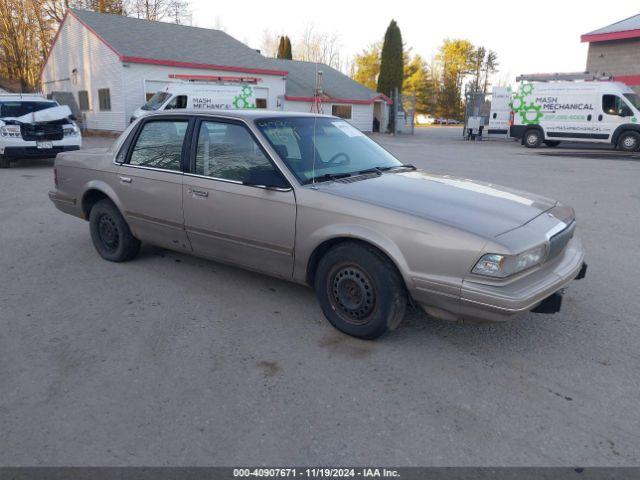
{"points": [[634, 119], [530, 114], [243, 100]]}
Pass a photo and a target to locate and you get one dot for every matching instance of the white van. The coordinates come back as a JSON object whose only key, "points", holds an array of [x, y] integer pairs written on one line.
{"points": [[576, 111], [205, 97], [32, 126]]}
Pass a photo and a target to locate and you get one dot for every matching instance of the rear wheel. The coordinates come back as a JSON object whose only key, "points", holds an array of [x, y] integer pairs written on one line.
{"points": [[532, 138], [360, 291], [110, 233], [629, 141], [551, 143]]}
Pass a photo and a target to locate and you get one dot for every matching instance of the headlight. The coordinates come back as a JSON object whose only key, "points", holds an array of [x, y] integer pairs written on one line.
{"points": [[501, 266], [70, 131], [10, 131]]}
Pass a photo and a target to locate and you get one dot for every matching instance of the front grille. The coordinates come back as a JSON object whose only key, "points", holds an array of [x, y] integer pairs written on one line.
{"points": [[42, 132], [559, 241]]}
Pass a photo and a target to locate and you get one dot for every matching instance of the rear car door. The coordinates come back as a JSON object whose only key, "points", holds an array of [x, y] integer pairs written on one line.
{"points": [[149, 182], [227, 219]]}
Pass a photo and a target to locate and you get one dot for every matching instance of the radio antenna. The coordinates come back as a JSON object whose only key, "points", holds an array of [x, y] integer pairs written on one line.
{"points": [[317, 106]]}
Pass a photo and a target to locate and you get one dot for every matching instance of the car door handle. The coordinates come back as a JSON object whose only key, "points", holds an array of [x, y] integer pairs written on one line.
{"points": [[125, 179], [600, 117], [200, 193]]}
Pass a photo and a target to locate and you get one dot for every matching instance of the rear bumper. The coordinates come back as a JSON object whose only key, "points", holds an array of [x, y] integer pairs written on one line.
{"points": [[34, 152], [65, 203]]}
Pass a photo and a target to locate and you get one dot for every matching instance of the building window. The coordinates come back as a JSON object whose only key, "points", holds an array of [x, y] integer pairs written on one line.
{"points": [[83, 100], [342, 111], [261, 103], [104, 99]]}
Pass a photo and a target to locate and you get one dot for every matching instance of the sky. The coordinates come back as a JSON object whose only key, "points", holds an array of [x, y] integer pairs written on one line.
{"points": [[542, 36]]}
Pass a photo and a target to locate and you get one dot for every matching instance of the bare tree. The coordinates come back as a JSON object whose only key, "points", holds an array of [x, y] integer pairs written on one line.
{"points": [[322, 47], [269, 44]]}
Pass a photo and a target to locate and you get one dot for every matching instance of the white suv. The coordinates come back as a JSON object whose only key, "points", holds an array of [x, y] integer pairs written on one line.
{"points": [[33, 127]]}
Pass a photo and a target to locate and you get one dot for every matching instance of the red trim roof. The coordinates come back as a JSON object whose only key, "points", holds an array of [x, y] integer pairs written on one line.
{"points": [[341, 100], [631, 80], [156, 61], [605, 37]]}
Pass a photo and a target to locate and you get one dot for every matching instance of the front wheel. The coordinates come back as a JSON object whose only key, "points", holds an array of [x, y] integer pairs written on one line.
{"points": [[110, 233], [629, 141], [533, 138], [360, 291]]}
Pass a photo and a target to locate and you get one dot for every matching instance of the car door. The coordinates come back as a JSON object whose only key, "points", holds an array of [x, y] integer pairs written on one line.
{"points": [[614, 113], [228, 219], [149, 182]]}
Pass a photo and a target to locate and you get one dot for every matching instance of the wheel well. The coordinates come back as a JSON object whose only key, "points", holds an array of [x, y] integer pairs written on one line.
{"points": [[324, 247], [90, 198], [622, 129], [532, 127]]}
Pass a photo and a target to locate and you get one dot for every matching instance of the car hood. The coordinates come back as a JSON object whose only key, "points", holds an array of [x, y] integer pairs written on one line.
{"points": [[477, 207]]}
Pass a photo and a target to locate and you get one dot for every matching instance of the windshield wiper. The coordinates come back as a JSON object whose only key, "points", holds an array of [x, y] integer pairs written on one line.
{"points": [[396, 167], [326, 178]]}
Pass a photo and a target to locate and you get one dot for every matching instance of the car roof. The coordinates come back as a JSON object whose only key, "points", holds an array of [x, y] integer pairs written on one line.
{"points": [[23, 96], [240, 114]]}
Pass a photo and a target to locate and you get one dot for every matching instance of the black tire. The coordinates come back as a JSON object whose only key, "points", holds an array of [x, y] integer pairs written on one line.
{"points": [[110, 233], [629, 141], [360, 291], [532, 138], [5, 162], [551, 143]]}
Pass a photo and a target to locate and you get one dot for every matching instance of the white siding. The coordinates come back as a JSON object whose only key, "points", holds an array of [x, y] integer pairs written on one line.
{"points": [[155, 76], [361, 115], [98, 67]]}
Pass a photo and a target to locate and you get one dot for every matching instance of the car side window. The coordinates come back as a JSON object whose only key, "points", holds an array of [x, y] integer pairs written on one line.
{"points": [[614, 105], [159, 144], [227, 151], [179, 101]]}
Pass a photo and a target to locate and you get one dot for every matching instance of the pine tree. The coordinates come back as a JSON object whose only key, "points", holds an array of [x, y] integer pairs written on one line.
{"points": [[281, 48], [391, 61], [288, 54]]}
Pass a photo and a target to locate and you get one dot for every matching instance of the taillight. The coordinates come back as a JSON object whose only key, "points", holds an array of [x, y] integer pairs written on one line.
{"points": [[55, 177]]}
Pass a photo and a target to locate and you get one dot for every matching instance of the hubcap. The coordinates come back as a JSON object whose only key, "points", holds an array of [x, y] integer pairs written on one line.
{"points": [[532, 139], [352, 294], [629, 142], [108, 231]]}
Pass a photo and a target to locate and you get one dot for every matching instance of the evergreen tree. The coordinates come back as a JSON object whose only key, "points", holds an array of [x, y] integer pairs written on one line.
{"points": [[288, 54], [281, 48], [391, 61]]}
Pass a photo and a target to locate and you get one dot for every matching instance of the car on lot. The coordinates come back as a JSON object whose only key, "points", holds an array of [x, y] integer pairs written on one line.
{"points": [[311, 199], [33, 127]]}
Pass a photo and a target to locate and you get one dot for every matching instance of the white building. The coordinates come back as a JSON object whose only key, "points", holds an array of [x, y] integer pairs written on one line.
{"points": [[112, 64]]}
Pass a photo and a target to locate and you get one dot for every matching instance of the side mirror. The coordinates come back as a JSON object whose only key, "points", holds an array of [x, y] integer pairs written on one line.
{"points": [[72, 117], [271, 179]]}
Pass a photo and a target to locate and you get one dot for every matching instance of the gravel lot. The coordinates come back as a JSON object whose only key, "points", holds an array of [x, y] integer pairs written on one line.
{"points": [[174, 360]]}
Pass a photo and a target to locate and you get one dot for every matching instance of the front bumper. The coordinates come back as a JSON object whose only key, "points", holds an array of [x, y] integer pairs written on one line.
{"points": [[502, 302], [499, 301], [34, 152]]}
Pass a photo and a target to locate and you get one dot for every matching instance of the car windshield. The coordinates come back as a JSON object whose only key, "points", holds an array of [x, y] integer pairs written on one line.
{"points": [[321, 148], [17, 108], [633, 99], [156, 101]]}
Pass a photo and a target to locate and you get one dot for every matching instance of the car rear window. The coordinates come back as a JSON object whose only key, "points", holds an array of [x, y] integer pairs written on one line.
{"points": [[18, 108]]}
